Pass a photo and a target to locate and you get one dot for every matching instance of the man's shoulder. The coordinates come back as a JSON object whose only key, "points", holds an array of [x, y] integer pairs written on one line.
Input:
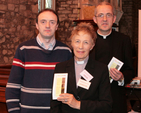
{"points": [[28, 42], [61, 46], [120, 35], [96, 63], [58, 43], [66, 63]]}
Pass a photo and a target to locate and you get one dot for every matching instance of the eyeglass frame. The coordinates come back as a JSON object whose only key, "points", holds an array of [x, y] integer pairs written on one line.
{"points": [[108, 15]]}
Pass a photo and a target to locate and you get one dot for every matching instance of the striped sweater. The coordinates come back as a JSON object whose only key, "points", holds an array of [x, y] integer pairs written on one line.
{"points": [[29, 86]]}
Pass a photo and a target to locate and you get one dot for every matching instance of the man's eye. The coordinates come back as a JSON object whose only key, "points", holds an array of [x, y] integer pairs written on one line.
{"points": [[101, 15], [86, 42], [109, 15], [52, 22], [42, 21]]}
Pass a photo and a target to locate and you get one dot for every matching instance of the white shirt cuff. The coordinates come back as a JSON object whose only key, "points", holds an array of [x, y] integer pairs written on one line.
{"points": [[120, 83]]}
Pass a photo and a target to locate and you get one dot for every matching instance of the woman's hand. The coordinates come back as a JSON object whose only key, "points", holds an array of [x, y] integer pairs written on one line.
{"points": [[69, 99]]}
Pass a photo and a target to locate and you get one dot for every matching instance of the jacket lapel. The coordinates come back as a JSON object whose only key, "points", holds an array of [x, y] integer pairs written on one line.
{"points": [[92, 53], [71, 78]]}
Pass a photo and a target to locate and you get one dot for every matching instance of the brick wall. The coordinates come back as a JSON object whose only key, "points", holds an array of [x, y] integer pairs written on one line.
{"points": [[125, 24], [17, 24], [67, 11], [136, 7], [129, 21]]}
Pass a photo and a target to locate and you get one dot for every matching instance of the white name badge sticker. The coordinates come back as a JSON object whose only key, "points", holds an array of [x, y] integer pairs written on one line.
{"points": [[84, 84], [86, 75]]}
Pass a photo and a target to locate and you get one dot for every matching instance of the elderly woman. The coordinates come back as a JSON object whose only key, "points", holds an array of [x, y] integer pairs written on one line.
{"points": [[88, 87]]}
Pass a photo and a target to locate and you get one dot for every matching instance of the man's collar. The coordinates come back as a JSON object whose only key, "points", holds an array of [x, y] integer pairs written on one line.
{"points": [[50, 45], [104, 36]]}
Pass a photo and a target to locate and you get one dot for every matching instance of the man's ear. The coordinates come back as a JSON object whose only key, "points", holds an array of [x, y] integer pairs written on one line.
{"points": [[37, 26], [57, 26], [94, 19], [114, 19]]}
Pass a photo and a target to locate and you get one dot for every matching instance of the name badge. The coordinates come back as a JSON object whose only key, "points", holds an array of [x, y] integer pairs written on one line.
{"points": [[86, 75], [84, 84]]}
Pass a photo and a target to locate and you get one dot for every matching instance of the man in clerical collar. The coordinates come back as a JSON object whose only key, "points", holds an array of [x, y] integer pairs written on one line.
{"points": [[111, 44]]}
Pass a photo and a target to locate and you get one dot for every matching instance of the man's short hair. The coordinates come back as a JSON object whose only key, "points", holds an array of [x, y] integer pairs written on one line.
{"points": [[105, 3], [50, 10]]}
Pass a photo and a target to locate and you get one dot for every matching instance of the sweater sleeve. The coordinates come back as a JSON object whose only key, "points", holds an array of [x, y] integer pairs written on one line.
{"points": [[13, 86]]}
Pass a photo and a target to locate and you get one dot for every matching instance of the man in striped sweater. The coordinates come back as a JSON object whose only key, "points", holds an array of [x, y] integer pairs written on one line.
{"points": [[29, 86]]}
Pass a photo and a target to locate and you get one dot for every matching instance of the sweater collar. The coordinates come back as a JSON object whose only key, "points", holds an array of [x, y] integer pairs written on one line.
{"points": [[50, 46]]}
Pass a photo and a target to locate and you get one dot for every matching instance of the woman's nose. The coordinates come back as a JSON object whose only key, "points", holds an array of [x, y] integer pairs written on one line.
{"points": [[81, 45]]}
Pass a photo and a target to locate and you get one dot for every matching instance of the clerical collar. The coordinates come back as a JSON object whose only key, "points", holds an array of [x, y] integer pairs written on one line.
{"points": [[81, 62], [104, 36]]}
